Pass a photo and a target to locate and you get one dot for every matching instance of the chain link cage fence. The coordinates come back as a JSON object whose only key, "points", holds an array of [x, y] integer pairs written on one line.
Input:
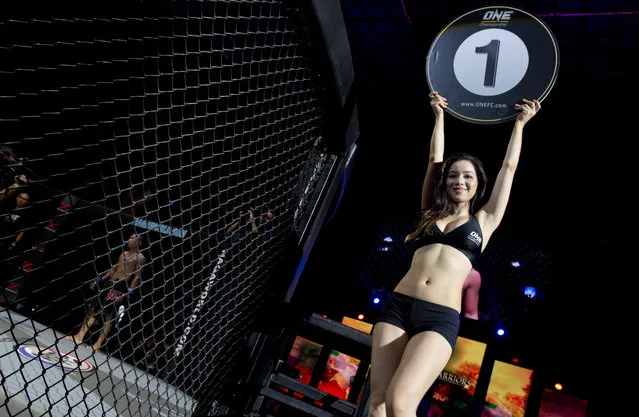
{"points": [[155, 160], [515, 274]]}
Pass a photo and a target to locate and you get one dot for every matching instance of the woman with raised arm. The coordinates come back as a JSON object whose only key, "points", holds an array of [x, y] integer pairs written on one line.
{"points": [[415, 335]]}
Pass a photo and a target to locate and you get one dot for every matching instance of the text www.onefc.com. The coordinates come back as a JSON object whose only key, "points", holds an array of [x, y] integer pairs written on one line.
{"points": [[484, 104]]}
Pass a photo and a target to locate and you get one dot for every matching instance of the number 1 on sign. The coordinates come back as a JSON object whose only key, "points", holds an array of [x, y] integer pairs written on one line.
{"points": [[492, 51], [490, 62]]}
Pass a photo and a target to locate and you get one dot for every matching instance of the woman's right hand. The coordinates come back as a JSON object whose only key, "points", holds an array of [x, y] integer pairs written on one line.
{"points": [[438, 103]]}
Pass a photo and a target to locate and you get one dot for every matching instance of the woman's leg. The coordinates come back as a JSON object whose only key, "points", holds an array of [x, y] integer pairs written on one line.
{"points": [[424, 358], [388, 345]]}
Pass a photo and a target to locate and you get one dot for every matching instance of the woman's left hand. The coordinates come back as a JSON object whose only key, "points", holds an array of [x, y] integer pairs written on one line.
{"points": [[527, 110]]}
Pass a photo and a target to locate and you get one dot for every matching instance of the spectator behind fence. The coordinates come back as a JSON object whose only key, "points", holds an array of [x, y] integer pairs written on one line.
{"points": [[254, 223], [14, 201], [137, 201], [11, 166]]}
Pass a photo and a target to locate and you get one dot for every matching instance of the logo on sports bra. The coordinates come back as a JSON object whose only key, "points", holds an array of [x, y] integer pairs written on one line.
{"points": [[474, 236]]}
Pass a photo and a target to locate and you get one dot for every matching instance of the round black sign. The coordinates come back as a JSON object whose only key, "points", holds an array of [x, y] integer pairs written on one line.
{"points": [[489, 59]]}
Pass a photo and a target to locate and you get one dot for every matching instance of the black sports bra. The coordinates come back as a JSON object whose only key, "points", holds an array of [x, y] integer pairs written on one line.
{"points": [[466, 238]]}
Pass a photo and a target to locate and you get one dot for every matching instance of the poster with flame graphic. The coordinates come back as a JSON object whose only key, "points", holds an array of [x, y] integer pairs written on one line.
{"points": [[452, 392], [508, 391]]}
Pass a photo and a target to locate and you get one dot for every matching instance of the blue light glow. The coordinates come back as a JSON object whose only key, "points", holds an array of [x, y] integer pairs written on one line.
{"points": [[530, 292]]}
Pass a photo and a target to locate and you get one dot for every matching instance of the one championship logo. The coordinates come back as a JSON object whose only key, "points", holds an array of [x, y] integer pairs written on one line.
{"points": [[474, 236], [496, 17]]}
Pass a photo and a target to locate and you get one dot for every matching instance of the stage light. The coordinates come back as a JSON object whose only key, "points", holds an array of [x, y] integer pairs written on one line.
{"points": [[500, 332], [530, 292], [515, 360], [377, 295], [384, 248], [388, 239], [360, 316], [558, 386], [515, 264]]}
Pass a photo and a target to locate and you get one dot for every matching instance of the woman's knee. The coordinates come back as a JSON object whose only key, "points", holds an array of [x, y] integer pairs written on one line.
{"points": [[377, 409], [401, 402], [377, 400]]}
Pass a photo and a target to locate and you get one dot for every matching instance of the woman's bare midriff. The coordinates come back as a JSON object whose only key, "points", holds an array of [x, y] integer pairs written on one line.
{"points": [[437, 274]]}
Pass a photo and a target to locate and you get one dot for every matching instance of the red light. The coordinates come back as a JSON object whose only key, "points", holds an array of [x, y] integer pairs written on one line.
{"points": [[558, 386], [515, 360], [361, 317]]}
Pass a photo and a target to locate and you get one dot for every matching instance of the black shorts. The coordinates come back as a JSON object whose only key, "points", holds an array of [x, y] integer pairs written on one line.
{"points": [[414, 316], [105, 304]]}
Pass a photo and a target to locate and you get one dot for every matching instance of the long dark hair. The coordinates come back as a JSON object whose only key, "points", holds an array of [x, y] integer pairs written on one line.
{"points": [[441, 204]]}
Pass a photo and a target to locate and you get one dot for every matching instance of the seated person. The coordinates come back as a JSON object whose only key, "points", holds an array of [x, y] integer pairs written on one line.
{"points": [[19, 185], [11, 166], [137, 202], [254, 222], [13, 202], [117, 284]]}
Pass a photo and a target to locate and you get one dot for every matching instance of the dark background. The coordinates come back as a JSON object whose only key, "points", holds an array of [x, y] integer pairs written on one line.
{"points": [[564, 197]]}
